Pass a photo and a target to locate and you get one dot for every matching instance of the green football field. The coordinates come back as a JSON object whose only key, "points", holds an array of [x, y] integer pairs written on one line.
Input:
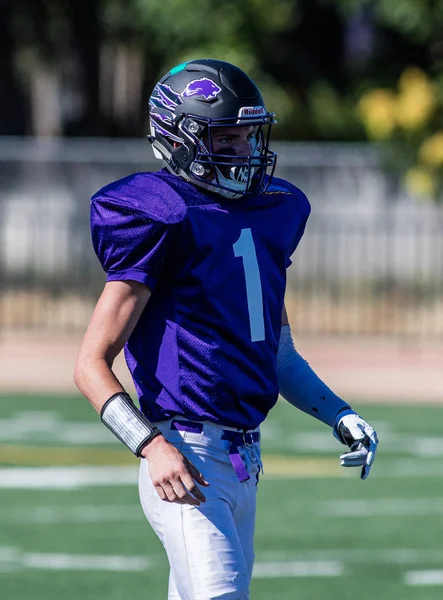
{"points": [[71, 527]]}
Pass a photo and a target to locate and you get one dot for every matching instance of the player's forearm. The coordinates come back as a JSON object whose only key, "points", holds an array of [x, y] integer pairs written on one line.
{"points": [[300, 385], [96, 380], [112, 323]]}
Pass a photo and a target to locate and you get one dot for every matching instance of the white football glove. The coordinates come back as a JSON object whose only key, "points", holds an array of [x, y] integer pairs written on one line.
{"points": [[353, 431]]}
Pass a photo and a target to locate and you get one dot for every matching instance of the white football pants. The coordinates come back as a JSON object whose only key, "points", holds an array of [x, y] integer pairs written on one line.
{"points": [[210, 548]]}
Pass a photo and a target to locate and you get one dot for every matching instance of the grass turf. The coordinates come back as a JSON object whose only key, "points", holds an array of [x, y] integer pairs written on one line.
{"points": [[376, 530]]}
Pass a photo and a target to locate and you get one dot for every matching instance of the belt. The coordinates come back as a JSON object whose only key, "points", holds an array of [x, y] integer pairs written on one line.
{"points": [[237, 438]]}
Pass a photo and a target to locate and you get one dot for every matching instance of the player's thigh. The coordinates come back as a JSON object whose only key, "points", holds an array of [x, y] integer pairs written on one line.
{"points": [[202, 543], [173, 593], [245, 521]]}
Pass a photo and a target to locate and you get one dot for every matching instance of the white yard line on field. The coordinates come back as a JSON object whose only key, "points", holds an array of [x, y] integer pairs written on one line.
{"points": [[73, 562], [266, 570], [360, 556], [424, 577], [50, 515], [321, 442], [310, 563], [69, 562], [381, 507], [62, 478], [52, 428], [76, 477], [12, 559]]}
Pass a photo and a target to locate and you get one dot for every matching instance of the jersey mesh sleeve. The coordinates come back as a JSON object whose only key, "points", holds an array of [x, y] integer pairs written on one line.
{"points": [[304, 212], [129, 243], [296, 241]]}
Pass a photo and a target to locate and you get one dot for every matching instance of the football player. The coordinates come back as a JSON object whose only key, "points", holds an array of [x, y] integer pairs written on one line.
{"points": [[196, 257]]}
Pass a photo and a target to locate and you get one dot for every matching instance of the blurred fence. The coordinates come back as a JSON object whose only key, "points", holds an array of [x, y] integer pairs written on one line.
{"points": [[371, 261]]}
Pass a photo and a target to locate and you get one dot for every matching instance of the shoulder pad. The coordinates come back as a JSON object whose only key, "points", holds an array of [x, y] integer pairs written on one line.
{"points": [[133, 223], [285, 188], [146, 194]]}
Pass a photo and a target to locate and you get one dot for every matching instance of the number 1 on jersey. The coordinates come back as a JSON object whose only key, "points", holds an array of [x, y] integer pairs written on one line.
{"points": [[244, 248]]}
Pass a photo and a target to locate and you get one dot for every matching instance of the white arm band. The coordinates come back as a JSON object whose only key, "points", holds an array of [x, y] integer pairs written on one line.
{"points": [[301, 387], [127, 423]]}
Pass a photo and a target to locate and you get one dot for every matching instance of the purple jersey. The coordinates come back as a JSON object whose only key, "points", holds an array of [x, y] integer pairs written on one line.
{"points": [[205, 346]]}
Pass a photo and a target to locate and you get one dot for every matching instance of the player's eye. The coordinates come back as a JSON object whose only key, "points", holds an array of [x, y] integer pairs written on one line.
{"points": [[224, 140]]}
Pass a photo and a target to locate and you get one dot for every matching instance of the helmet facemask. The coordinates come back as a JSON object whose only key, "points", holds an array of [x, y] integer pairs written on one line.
{"points": [[218, 166]]}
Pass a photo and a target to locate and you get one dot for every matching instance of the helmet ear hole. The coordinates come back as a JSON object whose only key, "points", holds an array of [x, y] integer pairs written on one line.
{"points": [[182, 155]]}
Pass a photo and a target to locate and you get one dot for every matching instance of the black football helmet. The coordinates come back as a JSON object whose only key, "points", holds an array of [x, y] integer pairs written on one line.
{"points": [[189, 104]]}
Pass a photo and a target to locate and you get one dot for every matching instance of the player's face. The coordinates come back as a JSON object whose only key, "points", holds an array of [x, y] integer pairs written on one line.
{"points": [[234, 141]]}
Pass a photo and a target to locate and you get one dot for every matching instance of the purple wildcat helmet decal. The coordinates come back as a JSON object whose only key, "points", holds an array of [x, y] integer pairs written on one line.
{"points": [[165, 132], [201, 87], [189, 105], [164, 96], [162, 104]]}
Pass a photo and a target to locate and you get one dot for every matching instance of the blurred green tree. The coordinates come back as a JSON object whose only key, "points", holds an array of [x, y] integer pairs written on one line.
{"points": [[403, 109], [165, 34], [86, 67], [54, 44]]}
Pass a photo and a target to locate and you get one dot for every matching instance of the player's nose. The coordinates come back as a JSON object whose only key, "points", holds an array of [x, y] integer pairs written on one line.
{"points": [[243, 147]]}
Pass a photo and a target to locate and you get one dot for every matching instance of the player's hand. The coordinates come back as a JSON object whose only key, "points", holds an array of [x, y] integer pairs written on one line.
{"points": [[353, 431], [172, 474]]}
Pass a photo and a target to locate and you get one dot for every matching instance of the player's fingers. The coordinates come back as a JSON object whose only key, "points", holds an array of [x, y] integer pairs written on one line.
{"points": [[365, 471], [357, 458], [161, 492], [192, 487], [171, 496], [195, 473], [372, 448], [182, 493]]}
